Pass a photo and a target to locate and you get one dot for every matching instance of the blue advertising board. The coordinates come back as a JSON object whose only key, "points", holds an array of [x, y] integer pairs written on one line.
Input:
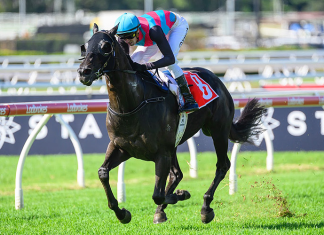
{"points": [[291, 129]]}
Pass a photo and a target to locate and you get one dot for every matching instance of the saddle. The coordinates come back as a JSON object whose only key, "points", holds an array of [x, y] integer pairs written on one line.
{"points": [[165, 82], [200, 90], [152, 77]]}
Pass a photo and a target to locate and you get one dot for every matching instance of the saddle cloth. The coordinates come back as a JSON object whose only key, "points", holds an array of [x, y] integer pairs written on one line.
{"points": [[200, 90]]}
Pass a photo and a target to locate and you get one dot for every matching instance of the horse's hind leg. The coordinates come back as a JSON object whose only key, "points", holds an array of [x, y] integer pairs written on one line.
{"points": [[220, 139], [175, 177], [114, 157]]}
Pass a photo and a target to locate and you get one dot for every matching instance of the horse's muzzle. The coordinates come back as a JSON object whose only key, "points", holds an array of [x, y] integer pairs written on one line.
{"points": [[85, 76]]}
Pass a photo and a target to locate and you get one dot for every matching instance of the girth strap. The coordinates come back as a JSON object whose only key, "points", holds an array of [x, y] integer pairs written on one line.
{"points": [[144, 102]]}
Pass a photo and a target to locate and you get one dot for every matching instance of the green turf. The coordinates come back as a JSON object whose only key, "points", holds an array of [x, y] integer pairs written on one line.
{"points": [[287, 201]]}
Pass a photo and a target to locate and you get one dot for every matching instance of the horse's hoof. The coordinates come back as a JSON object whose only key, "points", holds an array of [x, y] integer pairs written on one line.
{"points": [[206, 218], [183, 194], [127, 218], [159, 218]]}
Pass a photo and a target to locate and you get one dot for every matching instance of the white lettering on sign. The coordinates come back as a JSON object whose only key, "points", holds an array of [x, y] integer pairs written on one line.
{"points": [[297, 126], [266, 102], [320, 115], [270, 123], [90, 127], [74, 108], [321, 100], [2, 111], [33, 121], [207, 93], [36, 109], [295, 101], [7, 129]]}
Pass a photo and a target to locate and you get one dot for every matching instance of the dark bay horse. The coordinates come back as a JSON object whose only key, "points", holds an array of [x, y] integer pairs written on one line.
{"points": [[142, 122]]}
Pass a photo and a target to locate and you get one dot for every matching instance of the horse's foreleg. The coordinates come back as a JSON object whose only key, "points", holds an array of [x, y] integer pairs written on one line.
{"points": [[162, 169], [113, 158], [222, 166], [175, 177]]}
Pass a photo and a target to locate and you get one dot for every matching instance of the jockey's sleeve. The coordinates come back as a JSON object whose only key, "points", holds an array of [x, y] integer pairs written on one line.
{"points": [[124, 45], [157, 35]]}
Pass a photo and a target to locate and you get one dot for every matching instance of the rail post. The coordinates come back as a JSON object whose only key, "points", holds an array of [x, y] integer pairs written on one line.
{"points": [[19, 198]]}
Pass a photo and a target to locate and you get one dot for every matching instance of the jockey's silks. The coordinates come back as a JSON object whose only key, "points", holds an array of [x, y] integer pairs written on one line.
{"points": [[162, 18]]}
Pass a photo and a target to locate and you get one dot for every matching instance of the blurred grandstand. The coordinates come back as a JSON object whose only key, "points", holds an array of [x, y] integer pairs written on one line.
{"points": [[224, 29], [208, 30]]}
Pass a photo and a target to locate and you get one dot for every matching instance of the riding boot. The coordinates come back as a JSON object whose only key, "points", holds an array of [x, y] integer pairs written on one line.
{"points": [[190, 103]]}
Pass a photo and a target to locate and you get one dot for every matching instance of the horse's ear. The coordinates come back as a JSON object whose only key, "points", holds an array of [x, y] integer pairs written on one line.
{"points": [[113, 31], [95, 28]]}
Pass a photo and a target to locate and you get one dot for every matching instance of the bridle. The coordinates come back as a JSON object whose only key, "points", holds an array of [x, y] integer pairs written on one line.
{"points": [[107, 55], [102, 71]]}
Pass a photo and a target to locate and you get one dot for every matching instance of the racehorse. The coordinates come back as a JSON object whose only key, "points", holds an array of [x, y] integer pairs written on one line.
{"points": [[142, 122]]}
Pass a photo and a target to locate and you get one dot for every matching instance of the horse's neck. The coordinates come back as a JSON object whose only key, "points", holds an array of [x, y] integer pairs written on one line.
{"points": [[125, 91]]}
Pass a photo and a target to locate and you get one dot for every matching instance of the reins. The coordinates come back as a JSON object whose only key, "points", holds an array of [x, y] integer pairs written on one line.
{"points": [[101, 72], [140, 106], [119, 70]]}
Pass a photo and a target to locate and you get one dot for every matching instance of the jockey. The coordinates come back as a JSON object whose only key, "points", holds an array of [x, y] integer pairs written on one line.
{"points": [[153, 31]]}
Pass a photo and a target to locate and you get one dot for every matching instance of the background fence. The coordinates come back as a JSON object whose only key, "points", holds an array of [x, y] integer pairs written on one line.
{"points": [[99, 106]]}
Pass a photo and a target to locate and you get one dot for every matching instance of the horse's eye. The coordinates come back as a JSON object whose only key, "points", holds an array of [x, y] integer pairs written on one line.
{"points": [[106, 52], [105, 48]]}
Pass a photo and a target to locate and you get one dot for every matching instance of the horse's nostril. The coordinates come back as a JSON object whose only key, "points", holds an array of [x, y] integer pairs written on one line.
{"points": [[87, 71]]}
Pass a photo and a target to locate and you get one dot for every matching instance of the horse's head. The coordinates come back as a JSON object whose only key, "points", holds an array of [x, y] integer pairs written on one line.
{"points": [[98, 54]]}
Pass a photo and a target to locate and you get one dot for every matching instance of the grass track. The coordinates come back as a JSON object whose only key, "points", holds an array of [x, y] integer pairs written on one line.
{"points": [[54, 203]]}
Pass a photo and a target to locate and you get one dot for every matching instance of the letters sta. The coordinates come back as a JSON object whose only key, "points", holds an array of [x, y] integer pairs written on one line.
{"points": [[297, 122], [89, 127]]}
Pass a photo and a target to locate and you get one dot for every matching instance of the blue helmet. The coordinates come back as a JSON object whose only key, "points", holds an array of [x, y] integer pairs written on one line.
{"points": [[128, 23]]}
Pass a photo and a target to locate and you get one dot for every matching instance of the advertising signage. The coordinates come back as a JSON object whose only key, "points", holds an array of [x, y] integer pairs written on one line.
{"points": [[290, 129]]}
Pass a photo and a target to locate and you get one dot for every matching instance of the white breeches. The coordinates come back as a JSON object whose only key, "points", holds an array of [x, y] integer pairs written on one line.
{"points": [[175, 37]]}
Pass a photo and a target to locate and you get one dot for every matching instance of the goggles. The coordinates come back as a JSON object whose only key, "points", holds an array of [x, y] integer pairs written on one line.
{"points": [[127, 35]]}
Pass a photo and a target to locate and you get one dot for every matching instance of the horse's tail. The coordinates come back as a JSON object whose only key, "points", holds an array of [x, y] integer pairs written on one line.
{"points": [[248, 123]]}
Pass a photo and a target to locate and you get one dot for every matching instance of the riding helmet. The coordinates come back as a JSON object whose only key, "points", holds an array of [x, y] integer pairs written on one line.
{"points": [[128, 23]]}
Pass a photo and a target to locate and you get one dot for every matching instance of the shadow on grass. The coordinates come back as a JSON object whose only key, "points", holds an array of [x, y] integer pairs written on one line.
{"points": [[38, 216], [191, 228], [291, 226]]}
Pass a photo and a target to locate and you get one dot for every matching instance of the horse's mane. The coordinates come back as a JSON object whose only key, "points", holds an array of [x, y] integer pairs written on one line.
{"points": [[124, 48]]}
